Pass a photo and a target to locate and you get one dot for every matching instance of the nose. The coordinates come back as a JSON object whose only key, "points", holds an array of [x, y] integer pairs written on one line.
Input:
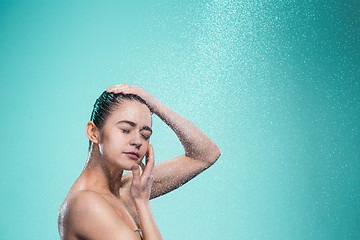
{"points": [[135, 140]]}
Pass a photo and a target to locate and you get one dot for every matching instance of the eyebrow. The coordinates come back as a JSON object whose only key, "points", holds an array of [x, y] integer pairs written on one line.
{"points": [[134, 124]]}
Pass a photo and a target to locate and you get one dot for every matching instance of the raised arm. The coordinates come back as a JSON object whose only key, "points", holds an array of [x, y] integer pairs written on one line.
{"points": [[200, 151]]}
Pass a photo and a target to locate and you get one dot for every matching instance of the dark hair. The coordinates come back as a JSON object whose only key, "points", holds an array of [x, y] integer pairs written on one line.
{"points": [[106, 103]]}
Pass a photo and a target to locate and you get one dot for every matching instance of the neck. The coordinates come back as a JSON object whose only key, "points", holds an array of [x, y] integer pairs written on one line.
{"points": [[101, 177]]}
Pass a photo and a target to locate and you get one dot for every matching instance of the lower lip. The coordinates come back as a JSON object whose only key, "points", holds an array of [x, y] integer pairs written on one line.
{"points": [[132, 156]]}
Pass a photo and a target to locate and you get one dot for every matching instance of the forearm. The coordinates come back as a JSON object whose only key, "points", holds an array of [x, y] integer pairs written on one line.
{"points": [[197, 145], [148, 225]]}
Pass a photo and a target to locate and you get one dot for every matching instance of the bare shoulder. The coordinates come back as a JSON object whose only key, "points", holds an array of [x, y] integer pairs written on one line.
{"points": [[77, 206], [87, 215], [81, 202]]}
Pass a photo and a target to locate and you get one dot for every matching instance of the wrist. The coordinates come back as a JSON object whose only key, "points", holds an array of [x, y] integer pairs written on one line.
{"points": [[142, 206], [141, 202], [154, 104]]}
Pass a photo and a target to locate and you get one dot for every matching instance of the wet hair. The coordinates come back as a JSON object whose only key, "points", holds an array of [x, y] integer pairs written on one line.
{"points": [[106, 103]]}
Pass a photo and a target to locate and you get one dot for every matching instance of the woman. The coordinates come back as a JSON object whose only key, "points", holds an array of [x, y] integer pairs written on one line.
{"points": [[105, 204]]}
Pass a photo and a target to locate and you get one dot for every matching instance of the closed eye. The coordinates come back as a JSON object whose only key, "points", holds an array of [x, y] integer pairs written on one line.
{"points": [[125, 131], [145, 137]]}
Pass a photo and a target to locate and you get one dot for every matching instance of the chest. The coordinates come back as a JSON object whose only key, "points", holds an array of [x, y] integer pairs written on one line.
{"points": [[125, 208]]}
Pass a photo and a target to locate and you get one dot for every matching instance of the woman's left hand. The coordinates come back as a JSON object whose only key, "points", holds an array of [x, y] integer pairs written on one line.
{"points": [[141, 183], [132, 89]]}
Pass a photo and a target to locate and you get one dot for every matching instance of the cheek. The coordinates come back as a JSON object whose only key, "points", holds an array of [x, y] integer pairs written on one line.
{"points": [[144, 148], [110, 145], [106, 149]]}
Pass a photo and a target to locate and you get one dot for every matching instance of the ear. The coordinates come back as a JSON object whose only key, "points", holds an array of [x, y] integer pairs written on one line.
{"points": [[92, 132]]}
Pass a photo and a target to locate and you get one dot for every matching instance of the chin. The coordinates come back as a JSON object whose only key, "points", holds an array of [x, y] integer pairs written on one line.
{"points": [[130, 165]]}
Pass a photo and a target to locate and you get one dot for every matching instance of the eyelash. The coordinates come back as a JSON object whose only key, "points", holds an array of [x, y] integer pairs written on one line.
{"points": [[128, 131]]}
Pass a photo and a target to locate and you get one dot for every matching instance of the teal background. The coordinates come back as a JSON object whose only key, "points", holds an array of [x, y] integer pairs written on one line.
{"points": [[274, 83]]}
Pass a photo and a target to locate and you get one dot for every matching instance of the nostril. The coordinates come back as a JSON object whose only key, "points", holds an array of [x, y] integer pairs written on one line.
{"points": [[136, 144]]}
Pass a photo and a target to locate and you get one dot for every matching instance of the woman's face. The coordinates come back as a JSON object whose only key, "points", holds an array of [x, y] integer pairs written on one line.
{"points": [[125, 136]]}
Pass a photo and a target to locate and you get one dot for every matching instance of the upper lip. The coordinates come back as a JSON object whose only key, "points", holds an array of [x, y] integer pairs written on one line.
{"points": [[134, 153]]}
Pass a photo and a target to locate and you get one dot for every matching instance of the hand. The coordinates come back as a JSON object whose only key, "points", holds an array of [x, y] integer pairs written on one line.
{"points": [[132, 89], [141, 183]]}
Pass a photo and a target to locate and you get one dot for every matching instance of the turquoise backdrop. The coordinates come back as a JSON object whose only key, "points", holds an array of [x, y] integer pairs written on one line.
{"points": [[276, 84]]}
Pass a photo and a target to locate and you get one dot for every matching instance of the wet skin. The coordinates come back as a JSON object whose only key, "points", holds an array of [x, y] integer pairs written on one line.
{"points": [[122, 143], [105, 204]]}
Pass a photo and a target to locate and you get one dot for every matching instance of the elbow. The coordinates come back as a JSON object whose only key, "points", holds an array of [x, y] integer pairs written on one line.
{"points": [[217, 154], [208, 156], [214, 155]]}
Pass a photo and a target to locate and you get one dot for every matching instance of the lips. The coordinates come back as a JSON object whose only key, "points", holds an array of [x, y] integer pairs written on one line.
{"points": [[132, 155]]}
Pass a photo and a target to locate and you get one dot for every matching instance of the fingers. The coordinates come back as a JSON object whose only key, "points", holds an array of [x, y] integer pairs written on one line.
{"points": [[136, 175], [150, 162], [142, 166], [121, 88], [117, 88], [141, 182]]}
